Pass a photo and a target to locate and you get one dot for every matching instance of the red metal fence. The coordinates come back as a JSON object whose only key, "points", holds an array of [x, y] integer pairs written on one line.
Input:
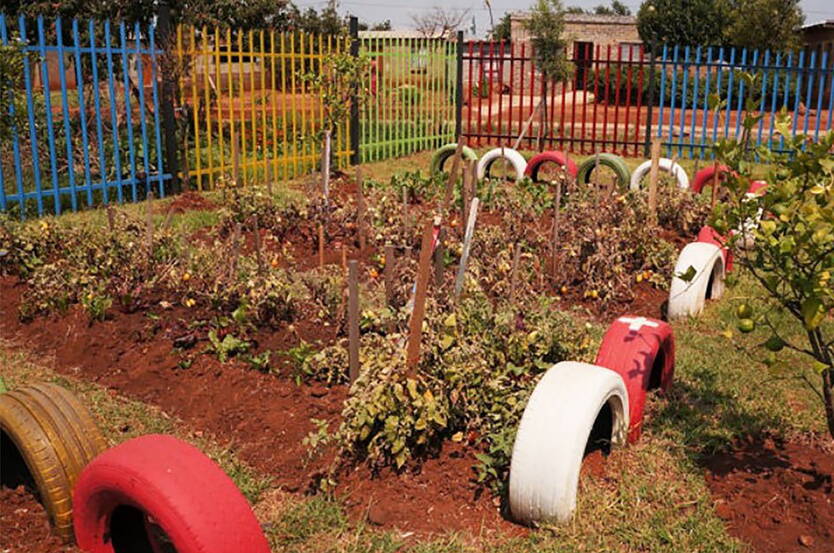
{"points": [[602, 107]]}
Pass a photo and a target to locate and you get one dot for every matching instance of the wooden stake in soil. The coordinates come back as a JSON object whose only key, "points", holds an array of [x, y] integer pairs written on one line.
{"points": [[467, 181], [235, 161], [270, 173], [527, 126], [360, 209], [111, 218], [439, 254], [467, 245], [149, 228], [388, 274], [406, 217], [514, 270], [714, 196], [344, 257], [556, 214], [450, 183], [325, 167], [415, 324], [235, 251], [321, 245], [653, 175], [257, 239], [353, 319]]}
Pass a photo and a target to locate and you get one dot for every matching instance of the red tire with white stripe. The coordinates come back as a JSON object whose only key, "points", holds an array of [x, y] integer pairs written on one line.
{"points": [[709, 235], [642, 352], [561, 159], [131, 493]]}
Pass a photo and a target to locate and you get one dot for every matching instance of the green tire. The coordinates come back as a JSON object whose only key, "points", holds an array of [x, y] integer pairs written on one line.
{"points": [[615, 163], [438, 159]]}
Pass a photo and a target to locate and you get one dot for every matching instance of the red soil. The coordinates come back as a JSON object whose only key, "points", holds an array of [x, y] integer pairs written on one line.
{"points": [[778, 496], [25, 526], [191, 201]]}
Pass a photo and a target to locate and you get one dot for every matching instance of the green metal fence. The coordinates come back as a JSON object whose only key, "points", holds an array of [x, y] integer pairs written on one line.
{"points": [[410, 106]]}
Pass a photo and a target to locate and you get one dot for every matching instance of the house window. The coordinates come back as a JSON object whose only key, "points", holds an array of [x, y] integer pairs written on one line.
{"points": [[630, 50]]}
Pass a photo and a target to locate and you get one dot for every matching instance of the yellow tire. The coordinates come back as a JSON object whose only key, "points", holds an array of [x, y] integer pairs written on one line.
{"points": [[55, 437]]}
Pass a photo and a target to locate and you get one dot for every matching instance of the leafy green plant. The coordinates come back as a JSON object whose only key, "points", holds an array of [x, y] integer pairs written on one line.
{"points": [[227, 347], [787, 235]]}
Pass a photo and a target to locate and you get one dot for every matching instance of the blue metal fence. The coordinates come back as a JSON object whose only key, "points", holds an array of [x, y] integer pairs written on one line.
{"points": [[92, 141], [692, 79]]}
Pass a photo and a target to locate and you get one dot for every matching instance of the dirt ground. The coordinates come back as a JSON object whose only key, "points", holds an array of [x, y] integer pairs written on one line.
{"points": [[24, 526], [777, 496]]}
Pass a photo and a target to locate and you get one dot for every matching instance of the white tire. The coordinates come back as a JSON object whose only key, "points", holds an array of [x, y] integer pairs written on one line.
{"points": [[488, 159], [687, 298], [665, 165], [551, 439]]}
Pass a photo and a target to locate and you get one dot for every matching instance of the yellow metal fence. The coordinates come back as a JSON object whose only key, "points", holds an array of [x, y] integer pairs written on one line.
{"points": [[252, 116]]}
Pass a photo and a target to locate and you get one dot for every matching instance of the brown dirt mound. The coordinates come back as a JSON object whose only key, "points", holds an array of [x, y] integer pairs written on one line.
{"points": [[191, 201], [778, 496], [24, 525]]}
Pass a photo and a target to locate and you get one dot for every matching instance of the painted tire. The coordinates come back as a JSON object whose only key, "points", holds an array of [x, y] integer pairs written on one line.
{"points": [[642, 352], [552, 436], [553, 156], [757, 188], [709, 235], [666, 165], [47, 428], [442, 154], [688, 298], [488, 159], [704, 177], [171, 483], [613, 162]]}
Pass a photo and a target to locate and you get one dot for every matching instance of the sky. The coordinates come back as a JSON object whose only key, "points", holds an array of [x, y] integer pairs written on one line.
{"points": [[400, 12]]}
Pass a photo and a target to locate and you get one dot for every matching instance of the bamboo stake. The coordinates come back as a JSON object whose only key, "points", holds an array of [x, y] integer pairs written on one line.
{"points": [[111, 218], [450, 183], [415, 324], [438, 256], [360, 215], [353, 319], [257, 239], [527, 126], [325, 167], [406, 216], [149, 222], [388, 274]]}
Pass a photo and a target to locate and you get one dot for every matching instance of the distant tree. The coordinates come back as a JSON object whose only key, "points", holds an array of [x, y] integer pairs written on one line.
{"points": [[683, 22], [546, 26], [617, 8], [439, 22], [575, 10], [503, 29], [765, 24], [380, 26]]}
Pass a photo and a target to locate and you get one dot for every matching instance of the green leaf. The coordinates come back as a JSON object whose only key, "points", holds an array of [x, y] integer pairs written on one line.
{"points": [[687, 275], [813, 313]]}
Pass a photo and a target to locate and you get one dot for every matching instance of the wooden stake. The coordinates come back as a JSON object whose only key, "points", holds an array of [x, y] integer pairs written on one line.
{"points": [[111, 218], [653, 174], [450, 183], [467, 244], [415, 324], [325, 167], [235, 251], [514, 270], [527, 126], [257, 239], [439, 255], [388, 274], [556, 214], [353, 319], [270, 176], [344, 257], [149, 222], [360, 211], [714, 197], [321, 246], [467, 181], [406, 217], [235, 161]]}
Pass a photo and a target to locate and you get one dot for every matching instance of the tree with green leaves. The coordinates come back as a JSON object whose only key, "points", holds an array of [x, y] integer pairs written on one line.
{"points": [[765, 24], [503, 29], [617, 8], [787, 234], [12, 106], [682, 22]]}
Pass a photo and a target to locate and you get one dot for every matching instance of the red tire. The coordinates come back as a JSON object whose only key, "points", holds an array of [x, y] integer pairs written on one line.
{"points": [[705, 176], [757, 187], [642, 352], [710, 236], [162, 481], [559, 158]]}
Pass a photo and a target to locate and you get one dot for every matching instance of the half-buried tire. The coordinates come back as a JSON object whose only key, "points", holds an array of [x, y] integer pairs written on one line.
{"points": [[666, 165], [613, 162], [517, 161], [698, 277], [442, 155], [158, 485], [48, 437], [560, 159], [574, 407], [709, 235], [642, 352]]}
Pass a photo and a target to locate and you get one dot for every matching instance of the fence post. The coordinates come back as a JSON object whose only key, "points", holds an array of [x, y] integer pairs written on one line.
{"points": [[355, 156], [169, 123], [650, 102], [459, 85]]}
